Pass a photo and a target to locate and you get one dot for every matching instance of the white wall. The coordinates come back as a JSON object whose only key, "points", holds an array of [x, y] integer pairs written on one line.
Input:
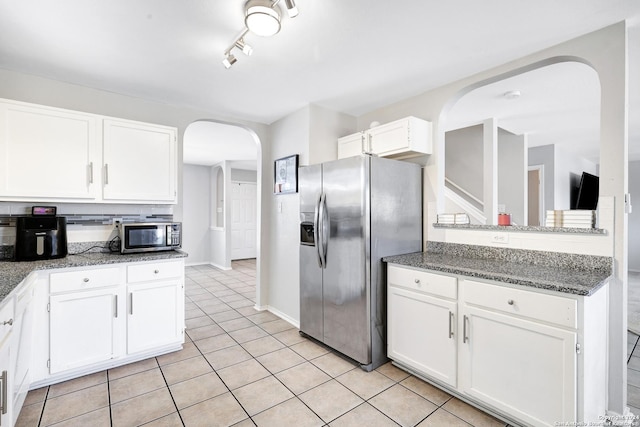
{"points": [[463, 159], [311, 132], [196, 213], [545, 155], [512, 174], [634, 216], [289, 135]]}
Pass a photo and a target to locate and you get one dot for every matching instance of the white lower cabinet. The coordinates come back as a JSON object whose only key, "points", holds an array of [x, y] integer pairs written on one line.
{"points": [[422, 330], [156, 305], [99, 318], [6, 374], [532, 357], [154, 316], [523, 368], [83, 328]]}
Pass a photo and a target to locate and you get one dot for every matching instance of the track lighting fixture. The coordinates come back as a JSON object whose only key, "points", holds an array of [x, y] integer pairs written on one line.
{"points": [[262, 18]]}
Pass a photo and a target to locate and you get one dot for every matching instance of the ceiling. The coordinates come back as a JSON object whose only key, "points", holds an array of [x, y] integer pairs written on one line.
{"points": [[349, 56], [558, 104]]}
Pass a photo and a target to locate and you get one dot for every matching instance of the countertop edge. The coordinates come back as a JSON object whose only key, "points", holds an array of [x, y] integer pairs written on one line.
{"points": [[416, 260], [12, 273]]}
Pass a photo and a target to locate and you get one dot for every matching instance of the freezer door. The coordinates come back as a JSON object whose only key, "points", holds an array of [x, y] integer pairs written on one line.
{"points": [[311, 312], [345, 281]]}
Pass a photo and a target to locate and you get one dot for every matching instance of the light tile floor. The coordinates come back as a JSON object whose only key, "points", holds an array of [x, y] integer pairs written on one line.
{"points": [[244, 367]]}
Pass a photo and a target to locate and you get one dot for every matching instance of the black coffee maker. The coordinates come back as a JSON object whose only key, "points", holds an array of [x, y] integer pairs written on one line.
{"points": [[40, 237]]}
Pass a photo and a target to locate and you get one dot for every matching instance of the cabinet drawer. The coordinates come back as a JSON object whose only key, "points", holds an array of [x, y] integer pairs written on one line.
{"points": [[85, 279], [548, 308], [422, 281], [154, 271]]}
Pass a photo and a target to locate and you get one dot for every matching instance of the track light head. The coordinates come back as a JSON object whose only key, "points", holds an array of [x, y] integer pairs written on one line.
{"points": [[229, 60], [292, 10], [245, 48]]}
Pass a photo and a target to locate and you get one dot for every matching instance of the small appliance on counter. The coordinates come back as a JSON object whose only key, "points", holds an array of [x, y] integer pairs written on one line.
{"points": [[43, 235], [149, 236]]}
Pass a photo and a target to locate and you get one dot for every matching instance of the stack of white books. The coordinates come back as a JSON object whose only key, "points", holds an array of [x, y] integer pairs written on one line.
{"points": [[453, 218], [572, 219]]}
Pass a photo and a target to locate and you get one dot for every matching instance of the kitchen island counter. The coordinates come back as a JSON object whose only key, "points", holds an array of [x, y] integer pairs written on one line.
{"points": [[12, 272], [566, 273]]}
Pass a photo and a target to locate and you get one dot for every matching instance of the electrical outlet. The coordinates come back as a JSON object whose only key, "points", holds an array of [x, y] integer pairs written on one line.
{"points": [[502, 238]]}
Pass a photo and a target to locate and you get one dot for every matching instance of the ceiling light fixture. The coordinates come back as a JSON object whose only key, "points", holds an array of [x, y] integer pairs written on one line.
{"points": [[262, 18]]}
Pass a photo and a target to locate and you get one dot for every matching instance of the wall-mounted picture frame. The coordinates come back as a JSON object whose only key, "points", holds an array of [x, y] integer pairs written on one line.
{"points": [[285, 175]]}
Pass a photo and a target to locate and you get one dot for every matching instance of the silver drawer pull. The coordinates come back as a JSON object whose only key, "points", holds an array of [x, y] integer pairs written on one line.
{"points": [[156, 271], [416, 281], [85, 280], [8, 322], [510, 302]]}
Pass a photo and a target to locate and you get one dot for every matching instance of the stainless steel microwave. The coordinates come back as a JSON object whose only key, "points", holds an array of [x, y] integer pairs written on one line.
{"points": [[150, 236]]}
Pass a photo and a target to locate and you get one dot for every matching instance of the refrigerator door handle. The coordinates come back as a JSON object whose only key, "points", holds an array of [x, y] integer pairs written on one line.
{"points": [[316, 231], [324, 219]]}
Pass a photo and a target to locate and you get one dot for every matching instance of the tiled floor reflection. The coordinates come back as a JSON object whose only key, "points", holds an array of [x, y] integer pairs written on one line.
{"points": [[244, 367]]}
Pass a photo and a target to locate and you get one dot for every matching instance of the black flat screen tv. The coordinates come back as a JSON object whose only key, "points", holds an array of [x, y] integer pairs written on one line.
{"points": [[588, 192]]}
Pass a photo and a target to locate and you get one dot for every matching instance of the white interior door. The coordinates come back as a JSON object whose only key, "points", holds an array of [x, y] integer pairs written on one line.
{"points": [[243, 220]]}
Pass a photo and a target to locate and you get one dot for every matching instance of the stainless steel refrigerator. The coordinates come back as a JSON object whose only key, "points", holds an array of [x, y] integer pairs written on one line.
{"points": [[353, 212]]}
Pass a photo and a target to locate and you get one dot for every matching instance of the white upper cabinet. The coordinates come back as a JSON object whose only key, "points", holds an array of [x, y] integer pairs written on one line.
{"points": [[351, 145], [400, 139], [139, 162], [47, 153], [54, 155]]}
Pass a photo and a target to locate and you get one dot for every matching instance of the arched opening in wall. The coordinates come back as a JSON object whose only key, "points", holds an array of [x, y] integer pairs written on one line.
{"points": [[522, 144], [221, 196]]}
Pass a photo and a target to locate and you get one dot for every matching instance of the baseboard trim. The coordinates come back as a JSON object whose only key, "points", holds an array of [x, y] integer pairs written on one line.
{"points": [[283, 316]]}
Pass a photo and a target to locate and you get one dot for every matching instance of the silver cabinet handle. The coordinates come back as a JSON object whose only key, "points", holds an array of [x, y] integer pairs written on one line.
{"points": [[465, 338], [85, 280], [450, 324], [90, 172], [8, 322], [106, 173], [116, 306], [156, 271], [510, 302], [131, 303], [416, 281], [3, 404]]}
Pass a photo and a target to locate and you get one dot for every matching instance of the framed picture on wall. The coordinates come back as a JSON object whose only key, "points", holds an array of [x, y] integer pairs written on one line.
{"points": [[285, 175]]}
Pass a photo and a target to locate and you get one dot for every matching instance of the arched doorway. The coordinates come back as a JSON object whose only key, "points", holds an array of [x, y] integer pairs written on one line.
{"points": [[219, 158]]}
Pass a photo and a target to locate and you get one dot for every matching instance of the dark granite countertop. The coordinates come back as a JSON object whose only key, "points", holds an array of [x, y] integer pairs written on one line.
{"points": [[12, 273], [566, 277]]}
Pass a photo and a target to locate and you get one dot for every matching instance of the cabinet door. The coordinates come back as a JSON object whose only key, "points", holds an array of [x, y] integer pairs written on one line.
{"points": [[6, 409], [351, 145], [523, 368], [140, 162], [6, 353], [47, 153], [156, 315], [84, 328], [389, 137], [400, 139], [420, 333]]}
